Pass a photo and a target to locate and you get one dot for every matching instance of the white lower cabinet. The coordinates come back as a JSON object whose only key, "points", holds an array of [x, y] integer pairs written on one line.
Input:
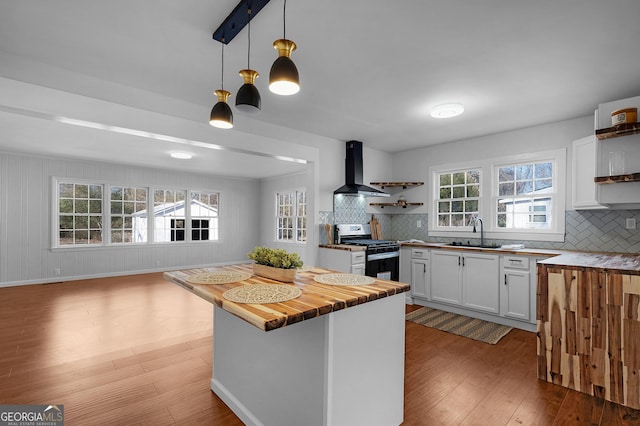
{"points": [[420, 273], [480, 288], [446, 283], [515, 288], [351, 262], [466, 279]]}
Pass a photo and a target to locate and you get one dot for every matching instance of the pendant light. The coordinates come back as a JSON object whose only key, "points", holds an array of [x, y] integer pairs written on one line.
{"points": [[248, 97], [221, 114], [283, 78]]}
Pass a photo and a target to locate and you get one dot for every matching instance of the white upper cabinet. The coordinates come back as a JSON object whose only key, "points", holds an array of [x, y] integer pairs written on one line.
{"points": [[584, 194]]}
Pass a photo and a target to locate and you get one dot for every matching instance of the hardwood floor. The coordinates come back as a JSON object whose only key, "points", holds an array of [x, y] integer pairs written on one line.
{"points": [[137, 350]]}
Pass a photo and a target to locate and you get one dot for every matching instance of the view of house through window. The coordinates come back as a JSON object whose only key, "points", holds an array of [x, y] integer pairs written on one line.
{"points": [[168, 215], [525, 196], [291, 216], [79, 214], [204, 216], [128, 205], [458, 197]]}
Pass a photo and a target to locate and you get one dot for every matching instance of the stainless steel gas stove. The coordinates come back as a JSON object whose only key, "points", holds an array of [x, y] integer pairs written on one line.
{"points": [[383, 256]]}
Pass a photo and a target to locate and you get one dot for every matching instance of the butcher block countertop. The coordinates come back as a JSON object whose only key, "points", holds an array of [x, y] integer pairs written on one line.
{"points": [[316, 299], [345, 247], [626, 263]]}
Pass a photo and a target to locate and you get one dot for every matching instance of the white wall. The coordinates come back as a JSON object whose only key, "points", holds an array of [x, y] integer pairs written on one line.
{"points": [[25, 222], [414, 165]]}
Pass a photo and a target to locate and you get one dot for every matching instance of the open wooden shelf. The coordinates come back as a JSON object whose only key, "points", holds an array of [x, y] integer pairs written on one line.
{"points": [[404, 185], [632, 177], [404, 206], [618, 131]]}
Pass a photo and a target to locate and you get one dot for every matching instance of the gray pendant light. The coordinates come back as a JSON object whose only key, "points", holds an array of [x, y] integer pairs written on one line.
{"points": [[283, 77], [221, 114], [248, 98]]}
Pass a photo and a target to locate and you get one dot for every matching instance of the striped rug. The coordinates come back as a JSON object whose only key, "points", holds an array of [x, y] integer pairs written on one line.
{"points": [[483, 331]]}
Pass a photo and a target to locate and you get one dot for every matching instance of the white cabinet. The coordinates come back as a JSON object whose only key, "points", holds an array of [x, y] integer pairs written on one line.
{"points": [[465, 278], [446, 282], [352, 262], [515, 289], [480, 288], [584, 194], [420, 273]]}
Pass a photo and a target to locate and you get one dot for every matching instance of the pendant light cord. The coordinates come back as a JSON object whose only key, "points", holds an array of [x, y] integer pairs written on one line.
{"points": [[222, 71], [249, 35], [284, 20]]}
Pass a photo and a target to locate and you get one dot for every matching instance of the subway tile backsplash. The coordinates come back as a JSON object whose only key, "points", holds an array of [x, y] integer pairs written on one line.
{"points": [[585, 230]]}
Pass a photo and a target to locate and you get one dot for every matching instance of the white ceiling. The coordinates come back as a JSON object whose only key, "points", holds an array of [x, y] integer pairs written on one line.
{"points": [[370, 70]]}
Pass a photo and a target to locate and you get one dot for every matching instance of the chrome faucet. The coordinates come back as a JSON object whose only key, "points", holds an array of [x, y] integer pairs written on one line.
{"points": [[476, 220]]}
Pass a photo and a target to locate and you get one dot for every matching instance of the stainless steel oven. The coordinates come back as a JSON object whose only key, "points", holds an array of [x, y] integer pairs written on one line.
{"points": [[383, 256]]}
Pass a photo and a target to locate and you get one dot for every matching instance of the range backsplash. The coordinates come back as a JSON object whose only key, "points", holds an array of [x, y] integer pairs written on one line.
{"points": [[586, 230]]}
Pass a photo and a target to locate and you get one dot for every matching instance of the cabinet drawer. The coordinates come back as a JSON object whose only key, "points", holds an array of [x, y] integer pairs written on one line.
{"points": [[358, 257], [419, 253], [515, 262]]}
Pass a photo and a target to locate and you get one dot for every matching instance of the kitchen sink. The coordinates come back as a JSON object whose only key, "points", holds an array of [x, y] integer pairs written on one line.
{"points": [[469, 244]]}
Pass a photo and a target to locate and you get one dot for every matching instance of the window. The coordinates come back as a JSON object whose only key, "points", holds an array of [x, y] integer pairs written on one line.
{"points": [[98, 214], [168, 215], [128, 208], [291, 216], [79, 214], [204, 216], [525, 195], [458, 197], [522, 200]]}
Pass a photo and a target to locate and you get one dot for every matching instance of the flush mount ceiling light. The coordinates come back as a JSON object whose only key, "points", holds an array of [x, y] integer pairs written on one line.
{"points": [[248, 97], [221, 114], [181, 155], [283, 77], [447, 110]]}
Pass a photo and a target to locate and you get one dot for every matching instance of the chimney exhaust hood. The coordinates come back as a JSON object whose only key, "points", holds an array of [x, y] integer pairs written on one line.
{"points": [[353, 174]]}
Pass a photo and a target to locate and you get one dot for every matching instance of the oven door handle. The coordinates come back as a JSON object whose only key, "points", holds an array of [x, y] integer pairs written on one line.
{"points": [[386, 255]]}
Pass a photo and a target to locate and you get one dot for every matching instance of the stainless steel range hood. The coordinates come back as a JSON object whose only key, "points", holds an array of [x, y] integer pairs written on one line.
{"points": [[353, 174]]}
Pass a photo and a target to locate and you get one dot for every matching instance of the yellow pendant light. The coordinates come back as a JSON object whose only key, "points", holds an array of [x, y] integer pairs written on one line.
{"points": [[283, 77], [221, 114]]}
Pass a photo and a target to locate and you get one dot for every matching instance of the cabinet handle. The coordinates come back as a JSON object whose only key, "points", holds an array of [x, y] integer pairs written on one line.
{"points": [[515, 260], [424, 268], [462, 260], [458, 260], [505, 279]]}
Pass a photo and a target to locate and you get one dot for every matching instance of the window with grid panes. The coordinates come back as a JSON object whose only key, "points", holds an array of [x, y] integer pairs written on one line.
{"points": [[458, 198], [291, 220], [168, 215], [525, 196], [128, 207], [79, 218], [204, 216]]}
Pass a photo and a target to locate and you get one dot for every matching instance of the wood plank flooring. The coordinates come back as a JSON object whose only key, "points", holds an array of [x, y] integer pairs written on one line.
{"points": [[137, 350]]}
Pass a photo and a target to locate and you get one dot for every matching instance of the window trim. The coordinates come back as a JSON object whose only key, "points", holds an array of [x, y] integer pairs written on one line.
{"points": [[106, 216], [488, 197]]}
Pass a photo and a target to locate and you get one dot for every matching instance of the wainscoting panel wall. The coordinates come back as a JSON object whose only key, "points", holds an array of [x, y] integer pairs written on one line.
{"points": [[26, 220]]}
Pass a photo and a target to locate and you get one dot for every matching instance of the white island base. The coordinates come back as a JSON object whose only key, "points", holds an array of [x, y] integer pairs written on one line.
{"points": [[343, 368]]}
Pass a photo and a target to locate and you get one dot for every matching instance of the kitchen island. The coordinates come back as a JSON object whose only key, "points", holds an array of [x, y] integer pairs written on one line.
{"points": [[332, 356], [588, 318]]}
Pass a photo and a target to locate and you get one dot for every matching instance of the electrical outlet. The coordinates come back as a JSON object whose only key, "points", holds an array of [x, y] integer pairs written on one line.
{"points": [[631, 223], [56, 271], [419, 224]]}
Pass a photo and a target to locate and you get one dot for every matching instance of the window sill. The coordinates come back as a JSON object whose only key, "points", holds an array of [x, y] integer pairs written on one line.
{"points": [[129, 246]]}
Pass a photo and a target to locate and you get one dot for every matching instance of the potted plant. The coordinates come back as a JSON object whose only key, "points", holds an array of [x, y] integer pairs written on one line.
{"points": [[273, 263]]}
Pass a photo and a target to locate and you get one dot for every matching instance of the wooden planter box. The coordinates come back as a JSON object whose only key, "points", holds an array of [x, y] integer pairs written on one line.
{"points": [[278, 274]]}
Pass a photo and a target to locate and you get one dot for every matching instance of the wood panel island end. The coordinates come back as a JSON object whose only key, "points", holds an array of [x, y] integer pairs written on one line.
{"points": [[588, 315]]}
